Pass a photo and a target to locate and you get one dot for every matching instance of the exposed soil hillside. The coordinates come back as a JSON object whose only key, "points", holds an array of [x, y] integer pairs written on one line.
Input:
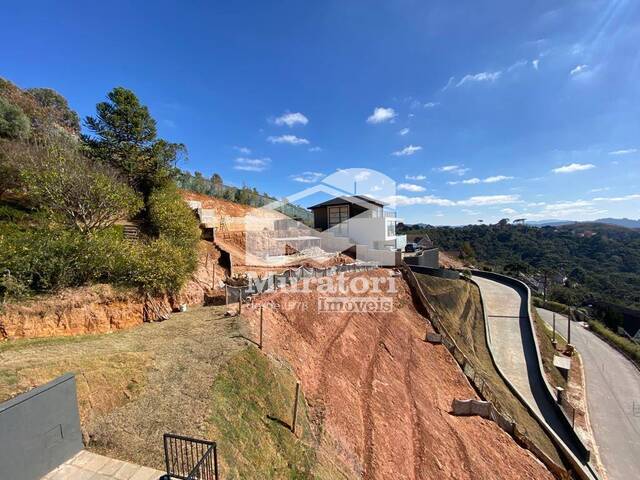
{"points": [[379, 396]]}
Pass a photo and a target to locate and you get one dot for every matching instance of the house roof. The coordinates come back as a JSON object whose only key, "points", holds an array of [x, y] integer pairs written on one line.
{"points": [[362, 200]]}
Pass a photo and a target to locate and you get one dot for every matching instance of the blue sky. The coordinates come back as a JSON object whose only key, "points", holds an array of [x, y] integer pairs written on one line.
{"points": [[478, 110]]}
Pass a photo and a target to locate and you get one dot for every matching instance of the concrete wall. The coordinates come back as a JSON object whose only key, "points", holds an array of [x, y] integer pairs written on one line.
{"points": [[39, 430], [434, 272], [427, 258]]}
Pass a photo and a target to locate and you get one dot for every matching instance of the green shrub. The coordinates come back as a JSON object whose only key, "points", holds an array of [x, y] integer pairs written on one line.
{"points": [[161, 266], [172, 218], [13, 122], [47, 259]]}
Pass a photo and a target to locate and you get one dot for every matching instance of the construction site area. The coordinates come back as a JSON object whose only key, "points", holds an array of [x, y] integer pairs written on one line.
{"points": [[298, 381]]}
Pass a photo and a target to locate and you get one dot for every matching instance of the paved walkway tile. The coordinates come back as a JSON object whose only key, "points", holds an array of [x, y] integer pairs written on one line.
{"points": [[91, 466]]}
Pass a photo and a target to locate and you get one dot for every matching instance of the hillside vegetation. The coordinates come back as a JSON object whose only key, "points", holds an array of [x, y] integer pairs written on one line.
{"points": [[64, 197], [601, 261]]}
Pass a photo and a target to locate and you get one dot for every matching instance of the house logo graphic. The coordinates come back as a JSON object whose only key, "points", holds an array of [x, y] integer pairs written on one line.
{"points": [[356, 218]]}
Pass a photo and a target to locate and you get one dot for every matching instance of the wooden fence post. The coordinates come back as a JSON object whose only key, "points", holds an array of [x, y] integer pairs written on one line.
{"points": [[226, 295], [295, 408], [240, 302], [261, 315]]}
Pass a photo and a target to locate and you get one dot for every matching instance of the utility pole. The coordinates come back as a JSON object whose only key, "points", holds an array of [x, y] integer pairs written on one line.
{"points": [[569, 327], [554, 342]]}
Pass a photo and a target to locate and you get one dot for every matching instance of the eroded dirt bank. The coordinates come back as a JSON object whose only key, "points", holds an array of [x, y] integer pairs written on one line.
{"points": [[102, 308], [380, 396]]}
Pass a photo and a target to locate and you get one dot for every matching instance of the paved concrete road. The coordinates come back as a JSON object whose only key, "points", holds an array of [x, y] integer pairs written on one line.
{"points": [[515, 352], [613, 399]]}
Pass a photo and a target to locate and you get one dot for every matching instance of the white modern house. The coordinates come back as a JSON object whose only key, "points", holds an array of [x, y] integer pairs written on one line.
{"points": [[362, 219]]}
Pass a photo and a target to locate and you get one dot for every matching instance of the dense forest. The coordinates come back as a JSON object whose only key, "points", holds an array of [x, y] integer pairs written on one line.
{"points": [[600, 261]]}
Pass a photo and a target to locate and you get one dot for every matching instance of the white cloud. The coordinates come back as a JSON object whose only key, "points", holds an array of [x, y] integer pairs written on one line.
{"points": [[404, 131], [315, 149], [431, 104], [578, 69], [484, 200], [411, 187], [252, 164], [634, 196], [243, 150], [518, 64], [381, 115], [626, 151], [478, 201], [508, 211], [307, 177], [415, 177], [290, 139], [535, 63], [455, 169], [449, 83], [573, 167], [497, 178], [468, 181], [291, 119], [480, 77], [408, 150]]}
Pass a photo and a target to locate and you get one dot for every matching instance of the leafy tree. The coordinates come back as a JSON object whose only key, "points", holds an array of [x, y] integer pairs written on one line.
{"points": [[14, 123], [84, 195], [58, 106], [125, 136]]}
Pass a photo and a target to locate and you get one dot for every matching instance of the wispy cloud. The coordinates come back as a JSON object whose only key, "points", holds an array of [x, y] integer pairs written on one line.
{"points": [[535, 63], [291, 119], [243, 150], [449, 84], [290, 139], [404, 131], [573, 167], [480, 77], [634, 196], [625, 151], [408, 150], [497, 178], [252, 164], [477, 201], [307, 177], [381, 115], [411, 187], [315, 149], [455, 169], [578, 69], [475, 181], [431, 104], [415, 177], [518, 64]]}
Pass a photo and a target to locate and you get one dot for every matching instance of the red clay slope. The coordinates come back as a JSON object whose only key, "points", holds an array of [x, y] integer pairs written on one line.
{"points": [[381, 396]]}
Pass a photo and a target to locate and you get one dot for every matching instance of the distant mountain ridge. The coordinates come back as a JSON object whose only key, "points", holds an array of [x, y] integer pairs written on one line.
{"points": [[619, 222]]}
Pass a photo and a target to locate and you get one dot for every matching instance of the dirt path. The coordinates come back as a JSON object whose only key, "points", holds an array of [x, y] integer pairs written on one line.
{"points": [[381, 396]]}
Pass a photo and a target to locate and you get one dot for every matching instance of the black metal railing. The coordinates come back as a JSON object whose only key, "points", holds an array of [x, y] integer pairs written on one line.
{"points": [[189, 458]]}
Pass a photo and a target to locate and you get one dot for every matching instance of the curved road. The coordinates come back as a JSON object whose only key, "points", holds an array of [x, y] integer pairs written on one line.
{"points": [[515, 352], [613, 399]]}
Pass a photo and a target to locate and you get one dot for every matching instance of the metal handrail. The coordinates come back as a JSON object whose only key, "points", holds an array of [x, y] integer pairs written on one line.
{"points": [[189, 458]]}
